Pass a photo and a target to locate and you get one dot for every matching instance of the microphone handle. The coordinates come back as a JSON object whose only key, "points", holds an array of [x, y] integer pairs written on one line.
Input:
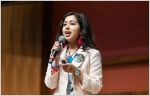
{"points": [[53, 53]]}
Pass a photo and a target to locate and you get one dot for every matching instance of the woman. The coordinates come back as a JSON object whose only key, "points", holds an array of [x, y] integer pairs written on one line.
{"points": [[77, 69]]}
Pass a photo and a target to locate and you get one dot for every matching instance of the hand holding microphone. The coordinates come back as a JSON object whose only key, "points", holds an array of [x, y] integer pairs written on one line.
{"points": [[56, 48]]}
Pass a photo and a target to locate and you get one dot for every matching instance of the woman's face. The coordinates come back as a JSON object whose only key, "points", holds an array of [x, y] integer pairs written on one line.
{"points": [[71, 28]]}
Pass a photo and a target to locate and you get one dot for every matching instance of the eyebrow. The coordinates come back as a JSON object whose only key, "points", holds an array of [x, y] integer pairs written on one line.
{"points": [[70, 21]]}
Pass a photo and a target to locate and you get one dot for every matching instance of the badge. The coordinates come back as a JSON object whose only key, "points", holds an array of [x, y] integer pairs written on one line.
{"points": [[79, 58]]}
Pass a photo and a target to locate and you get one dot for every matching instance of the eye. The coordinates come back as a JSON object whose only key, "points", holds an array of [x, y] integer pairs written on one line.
{"points": [[64, 24], [72, 23]]}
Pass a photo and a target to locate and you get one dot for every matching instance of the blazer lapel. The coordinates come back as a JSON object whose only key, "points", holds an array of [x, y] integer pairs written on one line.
{"points": [[79, 58]]}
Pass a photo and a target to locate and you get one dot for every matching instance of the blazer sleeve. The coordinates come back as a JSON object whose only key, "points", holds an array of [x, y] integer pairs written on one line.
{"points": [[92, 82], [51, 80]]}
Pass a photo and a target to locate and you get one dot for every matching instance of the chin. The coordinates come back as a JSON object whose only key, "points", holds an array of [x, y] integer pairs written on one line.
{"points": [[68, 39]]}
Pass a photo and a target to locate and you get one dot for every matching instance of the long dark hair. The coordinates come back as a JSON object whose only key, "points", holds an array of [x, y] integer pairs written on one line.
{"points": [[84, 26]]}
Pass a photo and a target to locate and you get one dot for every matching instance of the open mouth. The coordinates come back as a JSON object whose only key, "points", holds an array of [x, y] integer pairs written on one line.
{"points": [[67, 33]]}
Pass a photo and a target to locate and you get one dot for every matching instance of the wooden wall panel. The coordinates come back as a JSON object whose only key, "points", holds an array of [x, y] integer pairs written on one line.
{"points": [[21, 48]]}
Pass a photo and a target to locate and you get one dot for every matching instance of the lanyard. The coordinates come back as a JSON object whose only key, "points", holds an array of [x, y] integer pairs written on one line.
{"points": [[70, 58]]}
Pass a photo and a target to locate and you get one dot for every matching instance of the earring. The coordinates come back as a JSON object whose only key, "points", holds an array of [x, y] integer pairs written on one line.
{"points": [[80, 41]]}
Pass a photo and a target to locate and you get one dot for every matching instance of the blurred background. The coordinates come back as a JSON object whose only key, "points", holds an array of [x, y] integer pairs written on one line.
{"points": [[121, 32]]}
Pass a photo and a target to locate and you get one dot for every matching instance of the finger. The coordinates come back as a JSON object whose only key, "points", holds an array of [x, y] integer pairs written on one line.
{"points": [[57, 43], [68, 66], [65, 65], [66, 70], [56, 46]]}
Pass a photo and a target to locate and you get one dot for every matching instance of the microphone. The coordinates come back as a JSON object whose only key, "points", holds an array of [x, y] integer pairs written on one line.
{"points": [[54, 52]]}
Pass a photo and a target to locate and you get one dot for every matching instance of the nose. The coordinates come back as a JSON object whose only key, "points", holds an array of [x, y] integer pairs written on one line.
{"points": [[67, 26]]}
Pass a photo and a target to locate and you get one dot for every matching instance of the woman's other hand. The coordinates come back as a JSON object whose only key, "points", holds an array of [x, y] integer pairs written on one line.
{"points": [[70, 68]]}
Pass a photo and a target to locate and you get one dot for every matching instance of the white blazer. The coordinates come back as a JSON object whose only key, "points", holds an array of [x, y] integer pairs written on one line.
{"points": [[92, 74]]}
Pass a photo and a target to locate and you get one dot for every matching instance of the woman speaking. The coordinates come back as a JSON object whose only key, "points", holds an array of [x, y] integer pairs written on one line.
{"points": [[75, 66]]}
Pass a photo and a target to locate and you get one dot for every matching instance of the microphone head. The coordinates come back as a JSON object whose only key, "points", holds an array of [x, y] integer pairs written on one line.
{"points": [[62, 39]]}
